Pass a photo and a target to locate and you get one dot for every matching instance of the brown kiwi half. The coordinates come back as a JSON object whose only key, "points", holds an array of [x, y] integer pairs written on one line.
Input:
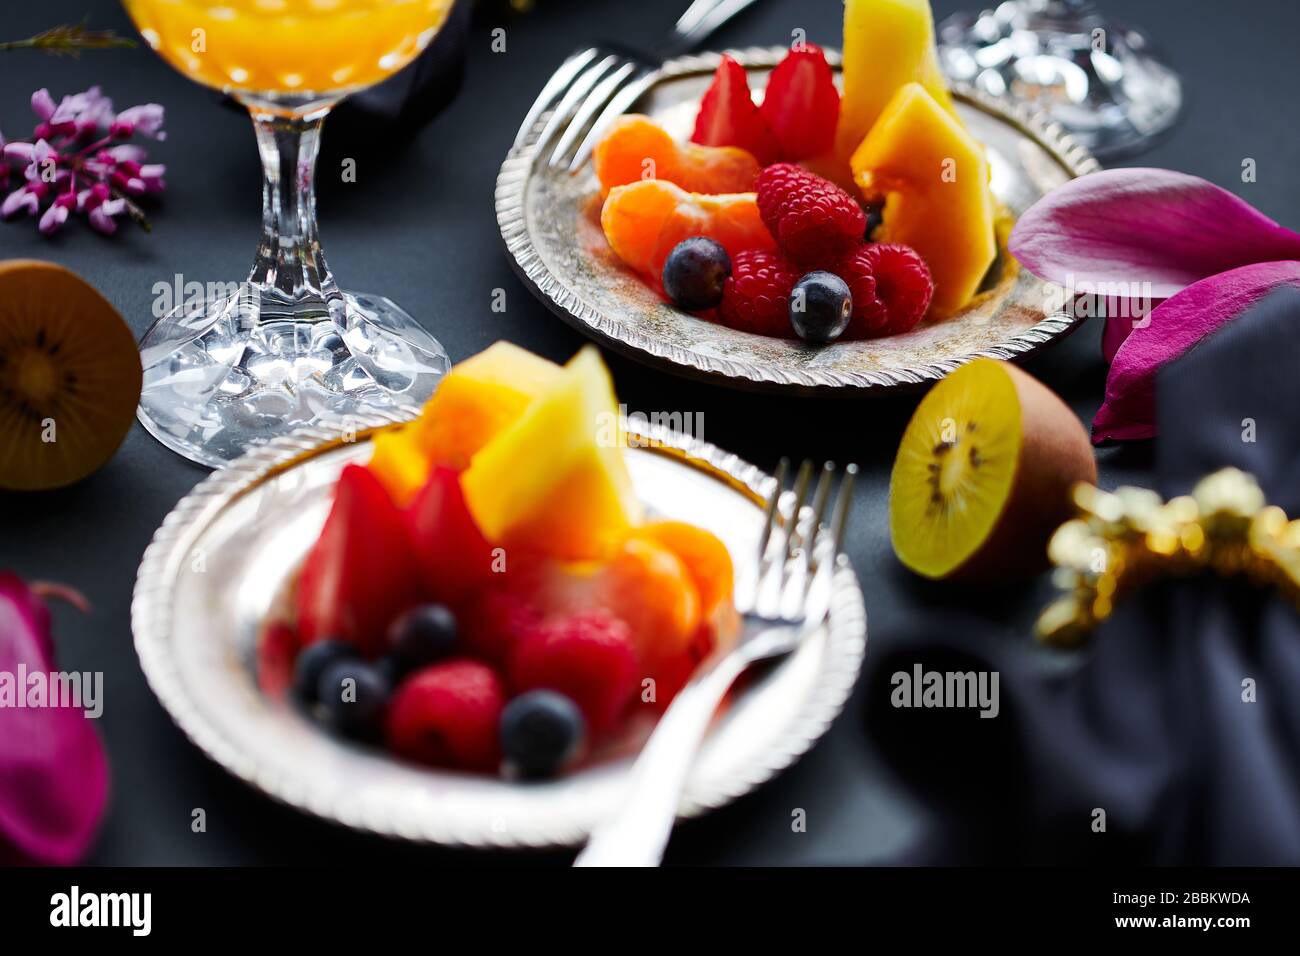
{"points": [[70, 376], [983, 475]]}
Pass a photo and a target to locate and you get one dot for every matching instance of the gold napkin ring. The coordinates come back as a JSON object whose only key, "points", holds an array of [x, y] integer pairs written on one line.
{"points": [[1125, 538]]}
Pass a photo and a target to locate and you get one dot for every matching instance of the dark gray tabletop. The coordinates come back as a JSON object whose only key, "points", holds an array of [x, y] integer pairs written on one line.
{"points": [[418, 226]]}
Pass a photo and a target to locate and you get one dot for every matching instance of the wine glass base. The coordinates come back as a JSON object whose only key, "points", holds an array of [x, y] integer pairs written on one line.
{"points": [[1098, 80], [233, 371]]}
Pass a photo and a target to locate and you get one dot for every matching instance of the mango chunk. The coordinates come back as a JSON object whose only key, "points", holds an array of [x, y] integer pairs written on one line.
{"points": [[554, 482], [478, 399], [400, 463], [934, 180], [886, 43]]}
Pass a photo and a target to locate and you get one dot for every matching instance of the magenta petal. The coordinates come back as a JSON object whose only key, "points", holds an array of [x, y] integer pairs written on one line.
{"points": [[1138, 226], [53, 772], [1175, 326]]}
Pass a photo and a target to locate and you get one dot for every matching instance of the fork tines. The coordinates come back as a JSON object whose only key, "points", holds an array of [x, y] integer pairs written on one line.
{"points": [[595, 85], [801, 539]]}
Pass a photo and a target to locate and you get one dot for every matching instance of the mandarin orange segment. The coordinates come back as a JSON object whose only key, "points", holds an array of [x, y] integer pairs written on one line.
{"points": [[650, 588], [702, 553], [645, 219], [637, 148], [716, 169], [633, 217]]}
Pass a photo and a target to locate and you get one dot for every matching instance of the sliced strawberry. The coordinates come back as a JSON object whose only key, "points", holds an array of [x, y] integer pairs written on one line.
{"points": [[801, 105], [453, 555], [728, 116], [275, 654], [360, 573]]}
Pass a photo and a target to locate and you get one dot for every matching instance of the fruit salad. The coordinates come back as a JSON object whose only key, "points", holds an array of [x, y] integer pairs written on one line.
{"points": [[811, 214], [486, 593]]}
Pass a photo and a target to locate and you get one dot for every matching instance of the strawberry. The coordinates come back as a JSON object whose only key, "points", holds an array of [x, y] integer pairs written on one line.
{"points": [[360, 573], [802, 105], [453, 555], [891, 289], [756, 296], [446, 715], [815, 223], [728, 116], [275, 654], [588, 656]]}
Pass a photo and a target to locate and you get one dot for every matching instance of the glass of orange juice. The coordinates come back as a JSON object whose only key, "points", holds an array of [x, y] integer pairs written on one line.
{"points": [[244, 362]]}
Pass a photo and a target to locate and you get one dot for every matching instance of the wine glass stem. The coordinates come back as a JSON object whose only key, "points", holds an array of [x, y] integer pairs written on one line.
{"points": [[290, 268]]}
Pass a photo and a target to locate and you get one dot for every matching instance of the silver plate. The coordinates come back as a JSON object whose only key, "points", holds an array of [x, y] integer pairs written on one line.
{"points": [[223, 556], [550, 223]]}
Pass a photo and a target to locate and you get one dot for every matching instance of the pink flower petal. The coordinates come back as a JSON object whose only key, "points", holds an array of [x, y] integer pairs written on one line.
{"points": [[1175, 326], [22, 199], [53, 772], [1139, 226], [43, 104], [53, 218]]}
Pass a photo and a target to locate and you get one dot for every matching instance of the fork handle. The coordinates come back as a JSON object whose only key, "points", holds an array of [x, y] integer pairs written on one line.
{"points": [[638, 831], [698, 22]]}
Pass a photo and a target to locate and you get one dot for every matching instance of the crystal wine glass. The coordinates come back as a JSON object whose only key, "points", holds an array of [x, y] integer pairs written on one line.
{"points": [[1097, 79], [251, 360]]}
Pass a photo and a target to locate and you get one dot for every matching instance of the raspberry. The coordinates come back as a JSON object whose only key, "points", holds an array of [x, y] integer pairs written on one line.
{"points": [[588, 656], [446, 715], [891, 288], [493, 621], [813, 221], [756, 297]]}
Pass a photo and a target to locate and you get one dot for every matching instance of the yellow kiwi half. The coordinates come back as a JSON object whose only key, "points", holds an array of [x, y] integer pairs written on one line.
{"points": [[983, 475], [69, 376]]}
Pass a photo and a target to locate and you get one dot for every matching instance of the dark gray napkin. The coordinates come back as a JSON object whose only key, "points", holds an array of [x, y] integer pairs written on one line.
{"points": [[1146, 729]]}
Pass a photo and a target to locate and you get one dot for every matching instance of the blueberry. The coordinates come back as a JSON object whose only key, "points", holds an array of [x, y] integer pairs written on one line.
{"points": [[312, 662], [540, 730], [421, 636], [820, 307], [391, 670], [694, 273], [353, 696]]}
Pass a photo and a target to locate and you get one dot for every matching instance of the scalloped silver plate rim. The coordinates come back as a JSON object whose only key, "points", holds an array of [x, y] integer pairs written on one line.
{"points": [[151, 622], [511, 191]]}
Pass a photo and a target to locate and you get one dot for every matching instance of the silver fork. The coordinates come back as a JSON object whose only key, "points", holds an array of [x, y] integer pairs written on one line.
{"points": [[787, 599], [608, 78]]}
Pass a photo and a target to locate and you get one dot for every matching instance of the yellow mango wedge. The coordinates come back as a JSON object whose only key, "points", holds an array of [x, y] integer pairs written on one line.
{"points": [[554, 482], [477, 400], [934, 180], [480, 397], [887, 43]]}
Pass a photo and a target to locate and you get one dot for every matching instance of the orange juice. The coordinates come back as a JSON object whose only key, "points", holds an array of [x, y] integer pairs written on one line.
{"points": [[288, 46]]}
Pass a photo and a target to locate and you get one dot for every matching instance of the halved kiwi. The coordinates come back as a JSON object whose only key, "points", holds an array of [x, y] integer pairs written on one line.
{"points": [[70, 376], [983, 475]]}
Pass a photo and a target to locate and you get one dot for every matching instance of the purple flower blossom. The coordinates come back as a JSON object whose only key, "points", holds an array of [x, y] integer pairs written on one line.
{"points": [[75, 161], [24, 200], [146, 120]]}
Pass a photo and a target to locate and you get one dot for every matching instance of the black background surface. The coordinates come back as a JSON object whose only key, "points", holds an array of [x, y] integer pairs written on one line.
{"points": [[418, 226]]}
